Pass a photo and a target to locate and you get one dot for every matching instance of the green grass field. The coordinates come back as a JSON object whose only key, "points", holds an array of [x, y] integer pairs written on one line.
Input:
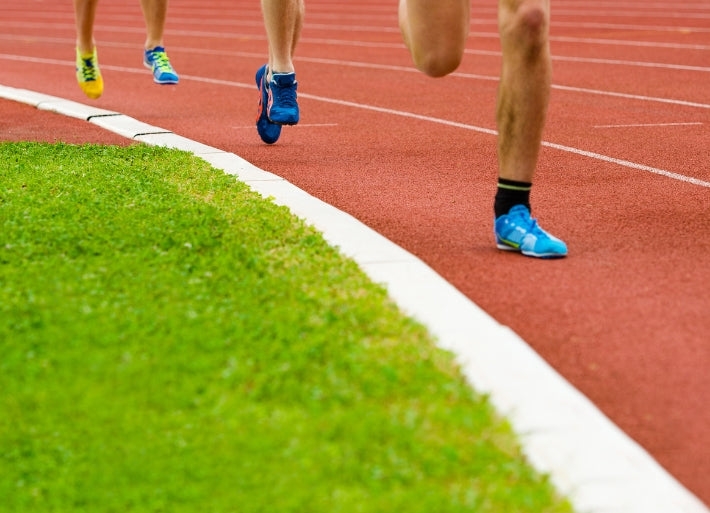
{"points": [[172, 342]]}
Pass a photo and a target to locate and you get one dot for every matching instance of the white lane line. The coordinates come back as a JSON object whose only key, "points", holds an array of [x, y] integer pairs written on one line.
{"points": [[476, 21], [636, 14], [259, 35], [387, 21], [345, 103], [606, 41], [560, 147], [652, 125], [632, 96], [473, 35], [629, 164], [646, 5], [369, 44], [409, 69], [589, 459], [613, 62], [628, 26], [353, 64], [624, 42]]}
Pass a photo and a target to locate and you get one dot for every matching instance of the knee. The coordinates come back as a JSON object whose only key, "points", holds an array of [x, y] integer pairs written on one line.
{"points": [[437, 62], [436, 46], [526, 23]]}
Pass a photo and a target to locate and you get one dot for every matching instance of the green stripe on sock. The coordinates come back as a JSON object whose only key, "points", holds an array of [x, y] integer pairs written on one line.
{"points": [[514, 187]]}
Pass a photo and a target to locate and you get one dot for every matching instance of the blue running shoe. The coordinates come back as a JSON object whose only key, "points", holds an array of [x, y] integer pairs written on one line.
{"points": [[283, 107], [517, 231], [268, 131], [157, 61]]}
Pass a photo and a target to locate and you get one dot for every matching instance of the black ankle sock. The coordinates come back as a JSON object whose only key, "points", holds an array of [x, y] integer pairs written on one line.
{"points": [[509, 194]]}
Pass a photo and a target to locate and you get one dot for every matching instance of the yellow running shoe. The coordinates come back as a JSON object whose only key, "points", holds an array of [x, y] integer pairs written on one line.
{"points": [[88, 74]]}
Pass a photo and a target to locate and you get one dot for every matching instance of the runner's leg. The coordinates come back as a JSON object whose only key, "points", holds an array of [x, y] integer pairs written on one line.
{"points": [[435, 33], [524, 89], [283, 20]]}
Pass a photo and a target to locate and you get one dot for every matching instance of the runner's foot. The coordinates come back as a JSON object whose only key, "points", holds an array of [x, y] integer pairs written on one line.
{"points": [[517, 231]]}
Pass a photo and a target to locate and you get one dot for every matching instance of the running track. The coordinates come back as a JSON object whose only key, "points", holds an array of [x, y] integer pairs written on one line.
{"points": [[624, 176]]}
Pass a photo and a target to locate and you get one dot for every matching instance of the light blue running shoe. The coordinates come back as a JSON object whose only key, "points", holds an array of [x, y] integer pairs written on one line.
{"points": [[157, 61], [283, 104], [268, 131], [517, 231]]}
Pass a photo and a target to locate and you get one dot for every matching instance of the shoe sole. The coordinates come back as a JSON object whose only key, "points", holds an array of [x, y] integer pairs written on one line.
{"points": [[92, 94], [282, 123], [287, 122], [548, 256]]}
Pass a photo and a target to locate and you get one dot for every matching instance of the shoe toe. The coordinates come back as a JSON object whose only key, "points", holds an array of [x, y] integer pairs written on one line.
{"points": [[545, 247], [166, 77], [269, 132], [284, 116], [93, 89]]}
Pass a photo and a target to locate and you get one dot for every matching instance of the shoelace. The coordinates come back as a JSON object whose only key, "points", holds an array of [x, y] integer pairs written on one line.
{"points": [[285, 96], [530, 225], [88, 70], [161, 61]]}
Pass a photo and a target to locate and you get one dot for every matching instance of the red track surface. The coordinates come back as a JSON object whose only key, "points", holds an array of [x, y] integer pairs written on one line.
{"points": [[624, 318]]}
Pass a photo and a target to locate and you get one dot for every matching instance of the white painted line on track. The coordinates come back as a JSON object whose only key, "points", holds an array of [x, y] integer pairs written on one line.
{"points": [[625, 42], [629, 26], [632, 96], [560, 147], [646, 5], [636, 14], [354, 64], [650, 125], [339, 29], [588, 41], [589, 459], [613, 62], [629, 164], [489, 131]]}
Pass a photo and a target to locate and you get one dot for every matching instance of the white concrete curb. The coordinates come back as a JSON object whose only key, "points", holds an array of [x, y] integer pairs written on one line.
{"points": [[589, 459]]}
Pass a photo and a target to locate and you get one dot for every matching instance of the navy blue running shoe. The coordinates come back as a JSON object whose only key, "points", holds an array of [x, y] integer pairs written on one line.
{"points": [[283, 106], [268, 131], [517, 231]]}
